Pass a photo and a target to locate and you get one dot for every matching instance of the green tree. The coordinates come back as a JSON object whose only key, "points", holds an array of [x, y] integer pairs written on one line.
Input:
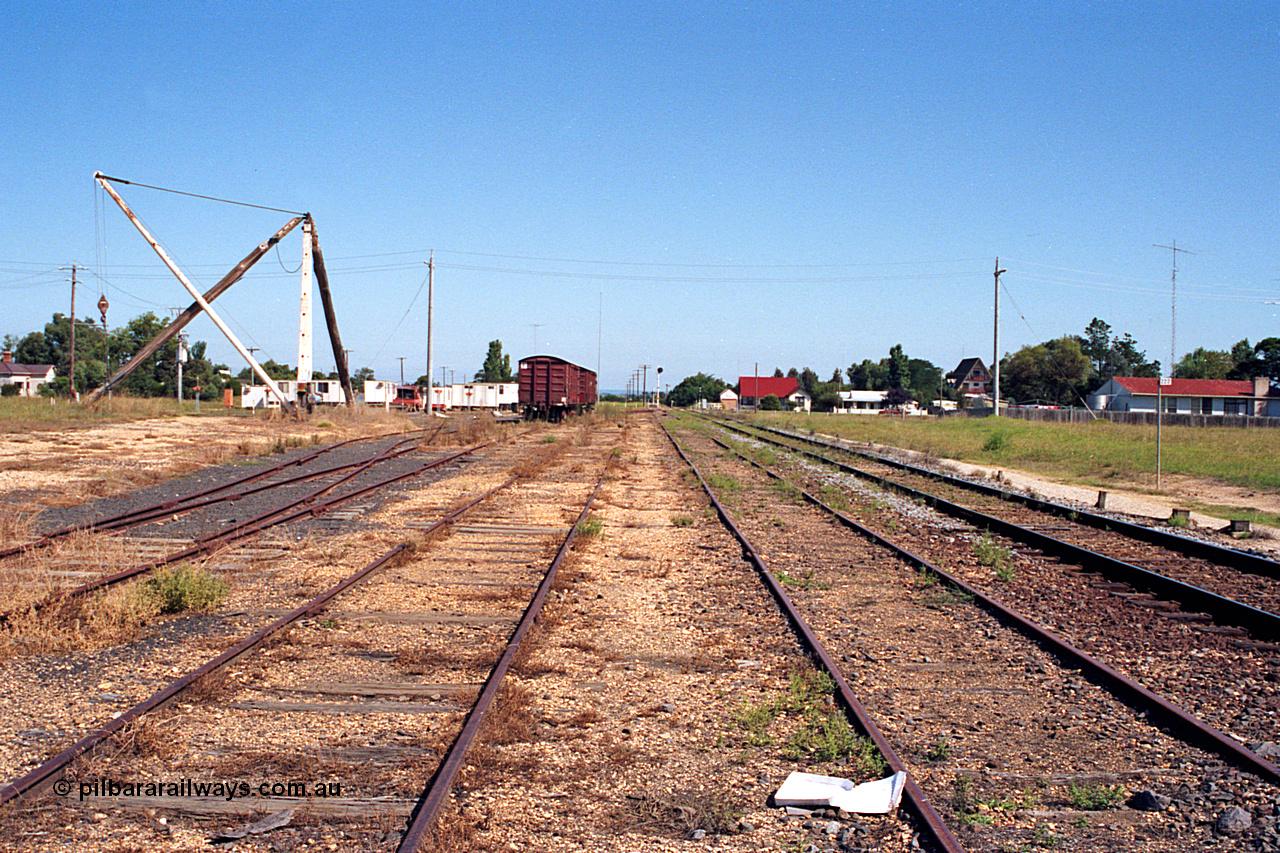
{"points": [[1241, 359], [1055, 372], [897, 367], [1204, 363], [897, 397], [691, 389], [808, 380], [770, 403], [275, 371], [868, 376], [1096, 344], [826, 395], [497, 367], [358, 378], [1264, 361], [1125, 359], [925, 379]]}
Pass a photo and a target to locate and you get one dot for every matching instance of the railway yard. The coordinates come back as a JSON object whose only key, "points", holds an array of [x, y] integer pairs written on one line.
{"points": [[615, 633]]}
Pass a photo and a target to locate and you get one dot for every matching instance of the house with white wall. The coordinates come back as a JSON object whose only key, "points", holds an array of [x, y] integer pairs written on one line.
{"points": [[28, 377], [1251, 398]]}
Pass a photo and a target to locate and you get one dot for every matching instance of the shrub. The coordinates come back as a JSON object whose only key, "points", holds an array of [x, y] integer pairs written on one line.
{"points": [[185, 588]]}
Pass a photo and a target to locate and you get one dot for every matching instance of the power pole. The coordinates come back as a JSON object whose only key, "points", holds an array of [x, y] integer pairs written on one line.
{"points": [[995, 350], [71, 389], [431, 300], [644, 391], [401, 369], [1173, 304]]}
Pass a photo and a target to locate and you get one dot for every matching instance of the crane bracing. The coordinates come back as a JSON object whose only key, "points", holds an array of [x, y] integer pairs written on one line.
{"points": [[202, 301]]}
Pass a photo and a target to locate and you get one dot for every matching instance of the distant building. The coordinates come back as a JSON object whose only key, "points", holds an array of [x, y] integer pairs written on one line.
{"points": [[861, 402], [1187, 396], [753, 389], [728, 400], [971, 378], [28, 377]]}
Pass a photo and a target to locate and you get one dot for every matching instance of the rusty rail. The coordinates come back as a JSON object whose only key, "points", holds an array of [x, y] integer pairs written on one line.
{"points": [[916, 801], [1188, 727], [1258, 622], [304, 506], [1232, 557], [187, 503], [48, 772], [433, 796]]}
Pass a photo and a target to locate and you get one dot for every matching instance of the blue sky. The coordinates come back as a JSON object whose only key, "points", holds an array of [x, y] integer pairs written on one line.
{"points": [[702, 186]]}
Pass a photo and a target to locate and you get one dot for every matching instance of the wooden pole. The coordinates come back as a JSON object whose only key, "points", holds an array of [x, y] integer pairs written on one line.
{"points": [[330, 318], [71, 389]]}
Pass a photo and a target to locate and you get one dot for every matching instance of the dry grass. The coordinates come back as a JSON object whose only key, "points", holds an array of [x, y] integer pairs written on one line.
{"points": [[496, 594], [15, 526], [679, 813], [213, 686], [150, 737], [510, 719], [425, 660], [281, 765], [108, 618]]}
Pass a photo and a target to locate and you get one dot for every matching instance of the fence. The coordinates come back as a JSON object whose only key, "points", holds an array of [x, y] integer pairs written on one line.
{"points": [[1073, 416]]}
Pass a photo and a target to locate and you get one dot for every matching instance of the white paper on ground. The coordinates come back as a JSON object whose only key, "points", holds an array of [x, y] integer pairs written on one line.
{"points": [[810, 790]]}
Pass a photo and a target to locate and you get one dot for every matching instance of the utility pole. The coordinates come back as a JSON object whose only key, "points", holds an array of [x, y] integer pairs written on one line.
{"points": [[71, 389], [401, 369], [304, 318], [1173, 304], [431, 300], [995, 349], [599, 343], [644, 391]]}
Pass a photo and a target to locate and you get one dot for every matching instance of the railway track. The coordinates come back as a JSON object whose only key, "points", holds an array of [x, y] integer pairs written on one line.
{"points": [[820, 573], [266, 707], [195, 525], [1164, 639], [657, 703]]}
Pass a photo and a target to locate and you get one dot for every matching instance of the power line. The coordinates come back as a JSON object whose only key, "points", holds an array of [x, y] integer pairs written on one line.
{"points": [[196, 195]]}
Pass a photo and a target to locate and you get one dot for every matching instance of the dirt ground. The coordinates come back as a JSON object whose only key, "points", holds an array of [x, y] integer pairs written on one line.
{"points": [[66, 467]]}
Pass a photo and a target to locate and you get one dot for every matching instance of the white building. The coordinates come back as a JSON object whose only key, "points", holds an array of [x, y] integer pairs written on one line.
{"points": [[28, 377], [1187, 396]]}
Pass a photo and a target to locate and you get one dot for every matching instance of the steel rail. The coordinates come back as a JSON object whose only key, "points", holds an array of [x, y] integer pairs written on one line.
{"points": [[1231, 557], [1187, 726], [424, 814], [36, 780], [179, 503], [176, 507], [917, 803], [212, 543], [1260, 623]]}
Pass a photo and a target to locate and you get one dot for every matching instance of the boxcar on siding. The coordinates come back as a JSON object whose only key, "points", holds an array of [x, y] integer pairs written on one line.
{"points": [[551, 388]]}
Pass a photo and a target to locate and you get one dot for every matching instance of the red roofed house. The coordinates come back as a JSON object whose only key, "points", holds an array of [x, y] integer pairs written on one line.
{"points": [[1188, 396], [28, 377], [753, 389]]}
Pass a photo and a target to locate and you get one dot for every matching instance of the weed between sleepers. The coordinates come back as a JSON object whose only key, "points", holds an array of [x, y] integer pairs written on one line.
{"points": [[809, 725]]}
